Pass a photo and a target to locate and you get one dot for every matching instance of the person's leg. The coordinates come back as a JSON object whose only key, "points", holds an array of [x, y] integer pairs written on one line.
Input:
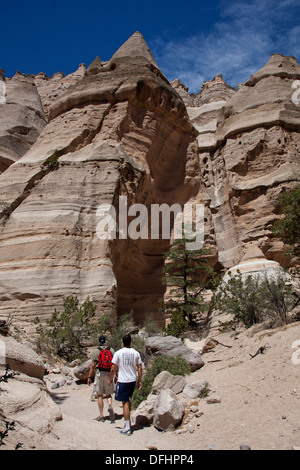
{"points": [[124, 393], [126, 414], [100, 406], [109, 400], [126, 410], [110, 408]]}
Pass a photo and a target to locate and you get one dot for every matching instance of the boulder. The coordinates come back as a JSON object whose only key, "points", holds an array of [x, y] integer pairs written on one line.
{"points": [[25, 401], [144, 413], [171, 346], [21, 358], [165, 380], [168, 411], [81, 372]]}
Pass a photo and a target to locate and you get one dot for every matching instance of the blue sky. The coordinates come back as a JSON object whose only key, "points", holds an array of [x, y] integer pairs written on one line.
{"points": [[190, 40]]}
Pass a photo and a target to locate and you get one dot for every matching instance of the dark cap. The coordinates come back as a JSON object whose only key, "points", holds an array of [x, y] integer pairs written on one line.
{"points": [[102, 339]]}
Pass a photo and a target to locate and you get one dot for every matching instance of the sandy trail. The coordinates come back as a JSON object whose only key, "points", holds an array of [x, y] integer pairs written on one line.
{"points": [[257, 403]]}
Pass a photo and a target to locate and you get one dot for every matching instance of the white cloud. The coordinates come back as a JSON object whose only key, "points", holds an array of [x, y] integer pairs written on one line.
{"points": [[237, 46]]}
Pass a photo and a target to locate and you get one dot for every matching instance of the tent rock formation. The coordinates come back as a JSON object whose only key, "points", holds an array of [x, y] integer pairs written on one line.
{"points": [[119, 128]]}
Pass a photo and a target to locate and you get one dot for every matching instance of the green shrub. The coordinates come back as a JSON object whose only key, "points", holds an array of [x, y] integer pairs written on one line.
{"points": [[175, 365], [152, 327], [51, 163], [255, 299], [66, 333], [178, 325]]}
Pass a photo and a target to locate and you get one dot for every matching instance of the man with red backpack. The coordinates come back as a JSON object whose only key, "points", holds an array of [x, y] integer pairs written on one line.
{"points": [[100, 369]]}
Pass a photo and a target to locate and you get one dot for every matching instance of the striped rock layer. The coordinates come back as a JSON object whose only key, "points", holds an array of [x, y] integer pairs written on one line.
{"points": [[119, 128]]}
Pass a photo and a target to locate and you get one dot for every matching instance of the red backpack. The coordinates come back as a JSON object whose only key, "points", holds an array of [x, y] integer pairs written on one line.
{"points": [[105, 358]]}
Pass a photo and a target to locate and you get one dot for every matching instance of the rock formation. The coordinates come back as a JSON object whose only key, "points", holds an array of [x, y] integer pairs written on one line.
{"points": [[51, 88], [122, 131], [254, 156], [22, 118], [119, 128], [25, 403], [254, 263]]}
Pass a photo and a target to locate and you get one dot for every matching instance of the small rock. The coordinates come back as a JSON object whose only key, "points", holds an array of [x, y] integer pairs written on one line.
{"points": [[66, 371], [211, 401], [194, 389], [75, 363], [194, 409], [58, 384], [180, 431], [245, 447]]}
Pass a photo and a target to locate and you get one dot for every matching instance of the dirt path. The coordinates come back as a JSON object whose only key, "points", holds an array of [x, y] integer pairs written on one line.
{"points": [[256, 402]]}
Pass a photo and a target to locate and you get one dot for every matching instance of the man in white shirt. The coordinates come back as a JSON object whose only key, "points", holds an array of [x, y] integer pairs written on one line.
{"points": [[125, 364]]}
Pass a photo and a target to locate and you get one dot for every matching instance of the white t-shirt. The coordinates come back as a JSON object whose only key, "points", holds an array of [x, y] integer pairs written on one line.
{"points": [[127, 359]]}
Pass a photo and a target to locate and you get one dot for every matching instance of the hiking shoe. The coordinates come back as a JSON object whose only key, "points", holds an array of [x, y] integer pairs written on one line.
{"points": [[111, 414], [100, 418], [127, 432]]}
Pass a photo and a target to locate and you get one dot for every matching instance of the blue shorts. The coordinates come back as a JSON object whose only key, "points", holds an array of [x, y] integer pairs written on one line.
{"points": [[124, 391]]}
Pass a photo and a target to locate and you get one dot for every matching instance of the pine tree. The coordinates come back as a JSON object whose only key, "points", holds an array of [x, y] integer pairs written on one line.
{"points": [[288, 227], [185, 273]]}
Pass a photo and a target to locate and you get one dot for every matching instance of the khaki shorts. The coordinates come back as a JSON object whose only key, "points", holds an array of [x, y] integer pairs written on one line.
{"points": [[101, 386]]}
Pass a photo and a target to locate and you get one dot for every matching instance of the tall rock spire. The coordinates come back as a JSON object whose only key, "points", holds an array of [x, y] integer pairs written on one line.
{"points": [[135, 46]]}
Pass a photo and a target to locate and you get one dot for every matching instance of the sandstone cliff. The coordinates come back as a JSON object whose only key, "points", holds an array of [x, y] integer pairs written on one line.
{"points": [[120, 131], [119, 128]]}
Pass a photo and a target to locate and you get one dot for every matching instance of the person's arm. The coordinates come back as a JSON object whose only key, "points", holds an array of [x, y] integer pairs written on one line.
{"points": [[140, 373], [91, 373], [113, 372]]}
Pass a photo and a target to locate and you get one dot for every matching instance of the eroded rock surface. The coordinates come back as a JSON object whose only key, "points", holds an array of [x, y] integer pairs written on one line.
{"points": [[22, 118], [119, 128], [122, 131]]}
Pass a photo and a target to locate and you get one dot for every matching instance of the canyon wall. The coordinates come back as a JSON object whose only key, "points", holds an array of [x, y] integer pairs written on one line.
{"points": [[119, 128]]}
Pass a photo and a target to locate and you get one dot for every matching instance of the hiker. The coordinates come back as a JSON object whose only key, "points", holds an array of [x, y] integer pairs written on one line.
{"points": [[100, 369], [126, 363]]}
